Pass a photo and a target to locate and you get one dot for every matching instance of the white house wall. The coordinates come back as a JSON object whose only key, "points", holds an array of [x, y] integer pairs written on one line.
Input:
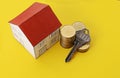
{"points": [[19, 35]]}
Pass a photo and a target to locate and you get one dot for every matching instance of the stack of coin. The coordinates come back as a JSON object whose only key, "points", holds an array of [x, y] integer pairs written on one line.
{"points": [[67, 36], [81, 26], [78, 26]]}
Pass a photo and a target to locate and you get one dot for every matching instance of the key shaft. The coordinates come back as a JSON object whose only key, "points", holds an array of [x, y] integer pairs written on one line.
{"points": [[81, 39], [74, 49]]}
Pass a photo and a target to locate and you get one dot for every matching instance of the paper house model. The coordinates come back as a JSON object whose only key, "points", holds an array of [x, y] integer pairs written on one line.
{"points": [[37, 28]]}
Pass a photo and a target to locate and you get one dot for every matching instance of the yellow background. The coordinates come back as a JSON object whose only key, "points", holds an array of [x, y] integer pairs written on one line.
{"points": [[102, 18]]}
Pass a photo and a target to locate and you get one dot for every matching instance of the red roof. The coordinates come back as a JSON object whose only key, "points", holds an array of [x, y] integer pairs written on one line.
{"points": [[37, 22]]}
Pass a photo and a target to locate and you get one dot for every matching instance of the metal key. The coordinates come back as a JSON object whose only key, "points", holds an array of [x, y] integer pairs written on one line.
{"points": [[82, 37]]}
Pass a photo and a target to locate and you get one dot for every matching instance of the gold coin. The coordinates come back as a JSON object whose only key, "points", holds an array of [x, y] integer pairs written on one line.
{"points": [[66, 45], [67, 39], [79, 26], [68, 31], [84, 48]]}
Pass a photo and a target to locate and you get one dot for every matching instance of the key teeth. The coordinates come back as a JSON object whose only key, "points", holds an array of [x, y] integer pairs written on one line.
{"points": [[84, 36], [81, 35], [88, 38]]}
